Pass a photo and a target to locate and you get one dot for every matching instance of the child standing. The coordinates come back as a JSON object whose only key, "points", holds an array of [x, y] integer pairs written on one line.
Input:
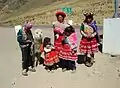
{"points": [[68, 53], [51, 57]]}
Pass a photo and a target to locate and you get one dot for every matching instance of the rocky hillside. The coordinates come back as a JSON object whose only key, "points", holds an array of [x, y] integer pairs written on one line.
{"points": [[42, 11], [11, 4]]}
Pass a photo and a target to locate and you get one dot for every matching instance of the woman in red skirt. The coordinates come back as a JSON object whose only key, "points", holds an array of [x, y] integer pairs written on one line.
{"points": [[88, 43], [51, 57], [68, 52], [59, 27]]}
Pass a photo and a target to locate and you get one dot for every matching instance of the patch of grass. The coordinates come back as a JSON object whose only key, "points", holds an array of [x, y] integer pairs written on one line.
{"points": [[44, 13]]}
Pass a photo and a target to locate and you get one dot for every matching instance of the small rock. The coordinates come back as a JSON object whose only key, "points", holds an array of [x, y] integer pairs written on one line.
{"points": [[96, 72], [118, 75], [113, 56], [13, 83], [88, 75], [118, 69], [95, 69]]}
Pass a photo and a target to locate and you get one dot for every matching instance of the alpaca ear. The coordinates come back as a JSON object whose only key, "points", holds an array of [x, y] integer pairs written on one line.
{"points": [[84, 14], [92, 14]]}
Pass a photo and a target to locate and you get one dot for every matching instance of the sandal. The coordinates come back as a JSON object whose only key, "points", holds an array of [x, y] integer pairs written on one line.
{"points": [[92, 60], [88, 64]]}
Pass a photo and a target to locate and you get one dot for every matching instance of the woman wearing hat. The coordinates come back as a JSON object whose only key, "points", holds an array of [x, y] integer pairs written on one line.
{"points": [[88, 43], [59, 27]]}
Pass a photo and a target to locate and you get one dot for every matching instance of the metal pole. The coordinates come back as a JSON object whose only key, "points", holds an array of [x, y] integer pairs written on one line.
{"points": [[116, 8]]}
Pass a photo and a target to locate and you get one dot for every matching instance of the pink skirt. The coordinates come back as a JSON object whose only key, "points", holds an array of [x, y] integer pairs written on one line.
{"points": [[67, 53]]}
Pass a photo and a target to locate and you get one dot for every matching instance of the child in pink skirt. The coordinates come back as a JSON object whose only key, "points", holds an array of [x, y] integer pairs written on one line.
{"points": [[68, 53]]}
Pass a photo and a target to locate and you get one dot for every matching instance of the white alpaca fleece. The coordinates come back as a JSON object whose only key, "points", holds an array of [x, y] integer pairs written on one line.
{"points": [[38, 34]]}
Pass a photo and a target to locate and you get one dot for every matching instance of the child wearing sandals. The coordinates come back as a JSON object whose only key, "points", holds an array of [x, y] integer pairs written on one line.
{"points": [[68, 53], [51, 58]]}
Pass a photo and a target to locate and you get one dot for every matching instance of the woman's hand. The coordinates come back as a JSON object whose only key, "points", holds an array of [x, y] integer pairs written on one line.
{"points": [[84, 34], [74, 50], [33, 44], [93, 35]]}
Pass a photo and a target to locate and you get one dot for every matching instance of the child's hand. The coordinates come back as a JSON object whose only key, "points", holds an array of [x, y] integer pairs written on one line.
{"points": [[53, 47], [74, 51]]}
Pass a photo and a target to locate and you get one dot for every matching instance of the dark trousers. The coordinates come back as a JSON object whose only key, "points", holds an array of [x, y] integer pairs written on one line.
{"points": [[97, 38], [51, 67], [72, 65], [69, 65], [27, 59]]}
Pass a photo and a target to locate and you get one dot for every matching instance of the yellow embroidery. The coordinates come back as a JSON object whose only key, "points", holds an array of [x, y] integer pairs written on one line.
{"points": [[88, 29]]}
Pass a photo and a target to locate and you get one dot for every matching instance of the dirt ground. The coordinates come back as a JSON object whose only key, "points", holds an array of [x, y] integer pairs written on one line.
{"points": [[105, 73]]}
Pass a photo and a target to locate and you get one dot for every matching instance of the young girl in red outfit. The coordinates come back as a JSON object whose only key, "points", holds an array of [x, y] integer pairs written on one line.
{"points": [[51, 57]]}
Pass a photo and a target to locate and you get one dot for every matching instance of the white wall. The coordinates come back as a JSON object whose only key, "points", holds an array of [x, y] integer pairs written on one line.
{"points": [[111, 36]]}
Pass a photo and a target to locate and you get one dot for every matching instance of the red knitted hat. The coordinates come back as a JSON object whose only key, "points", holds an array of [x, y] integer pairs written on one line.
{"points": [[60, 13]]}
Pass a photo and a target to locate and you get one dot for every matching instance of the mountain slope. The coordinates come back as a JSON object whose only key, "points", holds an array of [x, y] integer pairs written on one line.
{"points": [[43, 12]]}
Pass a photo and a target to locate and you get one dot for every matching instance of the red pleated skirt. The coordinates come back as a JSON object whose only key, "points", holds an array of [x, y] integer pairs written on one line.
{"points": [[58, 44], [67, 53], [88, 46], [51, 58]]}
